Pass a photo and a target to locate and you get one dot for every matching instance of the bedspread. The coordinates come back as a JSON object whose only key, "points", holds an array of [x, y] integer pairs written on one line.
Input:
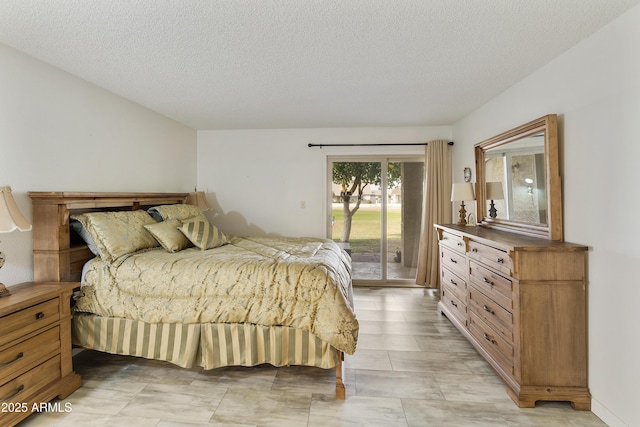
{"points": [[297, 282]]}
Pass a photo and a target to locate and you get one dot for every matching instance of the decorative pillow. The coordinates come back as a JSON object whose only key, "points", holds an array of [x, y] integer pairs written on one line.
{"points": [[180, 212], [203, 234], [118, 233], [168, 235], [84, 234]]}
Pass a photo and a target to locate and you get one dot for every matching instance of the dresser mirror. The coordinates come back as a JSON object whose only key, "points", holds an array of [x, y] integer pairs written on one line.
{"points": [[518, 180]]}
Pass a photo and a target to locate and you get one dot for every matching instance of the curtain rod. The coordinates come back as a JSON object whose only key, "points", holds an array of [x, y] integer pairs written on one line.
{"points": [[370, 145]]}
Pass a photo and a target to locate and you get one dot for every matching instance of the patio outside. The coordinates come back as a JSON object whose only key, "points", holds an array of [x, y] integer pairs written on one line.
{"points": [[365, 242]]}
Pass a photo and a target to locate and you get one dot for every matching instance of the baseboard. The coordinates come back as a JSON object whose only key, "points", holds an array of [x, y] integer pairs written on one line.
{"points": [[605, 415]]}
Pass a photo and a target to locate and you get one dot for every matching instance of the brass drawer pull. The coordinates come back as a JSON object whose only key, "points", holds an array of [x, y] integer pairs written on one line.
{"points": [[18, 357], [39, 315], [487, 309], [453, 260], [453, 303], [488, 338], [18, 390]]}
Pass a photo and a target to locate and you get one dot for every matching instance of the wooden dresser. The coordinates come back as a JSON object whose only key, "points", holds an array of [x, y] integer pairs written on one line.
{"points": [[521, 302], [35, 348]]}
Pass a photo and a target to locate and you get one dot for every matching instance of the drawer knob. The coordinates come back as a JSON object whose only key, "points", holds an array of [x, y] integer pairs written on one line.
{"points": [[488, 338], [459, 243], [487, 309], [15, 393], [474, 250], [18, 357], [500, 260], [39, 315], [453, 260]]}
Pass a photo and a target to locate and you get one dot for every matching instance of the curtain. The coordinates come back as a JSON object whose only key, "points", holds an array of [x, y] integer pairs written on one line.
{"points": [[436, 209]]}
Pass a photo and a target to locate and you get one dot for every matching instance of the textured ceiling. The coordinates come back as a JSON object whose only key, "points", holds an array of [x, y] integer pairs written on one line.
{"points": [[229, 64]]}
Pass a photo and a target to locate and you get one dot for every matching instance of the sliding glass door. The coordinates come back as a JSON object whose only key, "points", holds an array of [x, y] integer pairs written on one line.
{"points": [[375, 211]]}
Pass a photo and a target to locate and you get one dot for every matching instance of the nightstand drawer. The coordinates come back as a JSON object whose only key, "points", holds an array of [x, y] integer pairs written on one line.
{"points": [[35, 347], [23, 356], [18, 389], [27, 320]]}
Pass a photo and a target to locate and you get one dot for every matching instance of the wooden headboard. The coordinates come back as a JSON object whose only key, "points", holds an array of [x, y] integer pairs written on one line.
{"points": [[58, 253]]}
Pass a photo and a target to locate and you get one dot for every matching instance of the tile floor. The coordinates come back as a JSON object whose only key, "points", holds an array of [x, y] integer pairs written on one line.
{"points": [[411, 368]]}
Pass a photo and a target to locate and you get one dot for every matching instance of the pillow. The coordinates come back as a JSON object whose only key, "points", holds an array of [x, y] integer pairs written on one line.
{"points": [[168, 235], [118, 233], [180, 212], [84, 234], [203, 234]]}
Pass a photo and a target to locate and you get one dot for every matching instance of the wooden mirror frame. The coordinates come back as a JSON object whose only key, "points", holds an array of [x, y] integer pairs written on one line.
{"points": [[552, 230]]}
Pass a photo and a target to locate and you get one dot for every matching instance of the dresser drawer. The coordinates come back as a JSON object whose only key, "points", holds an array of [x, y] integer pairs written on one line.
{"points": [[495, 258], [20, 357], [453, 241], [454, 261], [493, 285], [456, 307], [490, 340], [454, 283], [27, 320], [497, 317], [20, 388]]}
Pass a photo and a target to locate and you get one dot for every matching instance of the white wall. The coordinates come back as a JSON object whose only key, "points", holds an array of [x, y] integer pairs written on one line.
{"points": [[257, 179], [595, 90], [60, 133]]}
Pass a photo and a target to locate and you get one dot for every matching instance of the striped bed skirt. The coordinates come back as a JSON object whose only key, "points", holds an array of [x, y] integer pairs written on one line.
{"points": [[208, 345]]}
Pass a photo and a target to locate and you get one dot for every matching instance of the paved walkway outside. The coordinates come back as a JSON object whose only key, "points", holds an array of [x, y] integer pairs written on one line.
{"points": [[369, 267]]}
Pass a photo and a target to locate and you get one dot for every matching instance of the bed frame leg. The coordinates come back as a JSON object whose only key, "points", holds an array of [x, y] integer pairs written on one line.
{"points": [[341, 391]]}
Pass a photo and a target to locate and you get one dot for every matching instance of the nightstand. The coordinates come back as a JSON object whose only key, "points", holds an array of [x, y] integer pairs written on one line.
{"points": [[35, 348]]}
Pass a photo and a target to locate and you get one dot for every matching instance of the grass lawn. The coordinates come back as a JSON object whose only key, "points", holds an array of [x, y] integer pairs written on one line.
{"points": [[365, 229]]}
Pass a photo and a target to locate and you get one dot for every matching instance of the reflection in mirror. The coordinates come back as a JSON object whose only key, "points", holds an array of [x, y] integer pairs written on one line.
{"points": [[518, 181], [517, 167], [495, 193]]}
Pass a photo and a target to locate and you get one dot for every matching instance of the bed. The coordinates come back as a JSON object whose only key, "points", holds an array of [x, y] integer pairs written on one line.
{"points": [[209, 301]]}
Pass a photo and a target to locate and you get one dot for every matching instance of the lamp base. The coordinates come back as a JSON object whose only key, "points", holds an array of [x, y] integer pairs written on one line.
{"points": [[493, 212], [4, 292], [463, 215]]}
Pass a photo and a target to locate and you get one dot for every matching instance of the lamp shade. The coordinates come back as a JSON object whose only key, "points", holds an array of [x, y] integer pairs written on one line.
{"points": [[495, 191], [462, 191], [10, 215], [198, 199]]}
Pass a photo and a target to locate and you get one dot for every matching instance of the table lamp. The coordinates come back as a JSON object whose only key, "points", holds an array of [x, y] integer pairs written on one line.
{"points": [[494, 192], [10, 219], [198, 199], [459, 193]]}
